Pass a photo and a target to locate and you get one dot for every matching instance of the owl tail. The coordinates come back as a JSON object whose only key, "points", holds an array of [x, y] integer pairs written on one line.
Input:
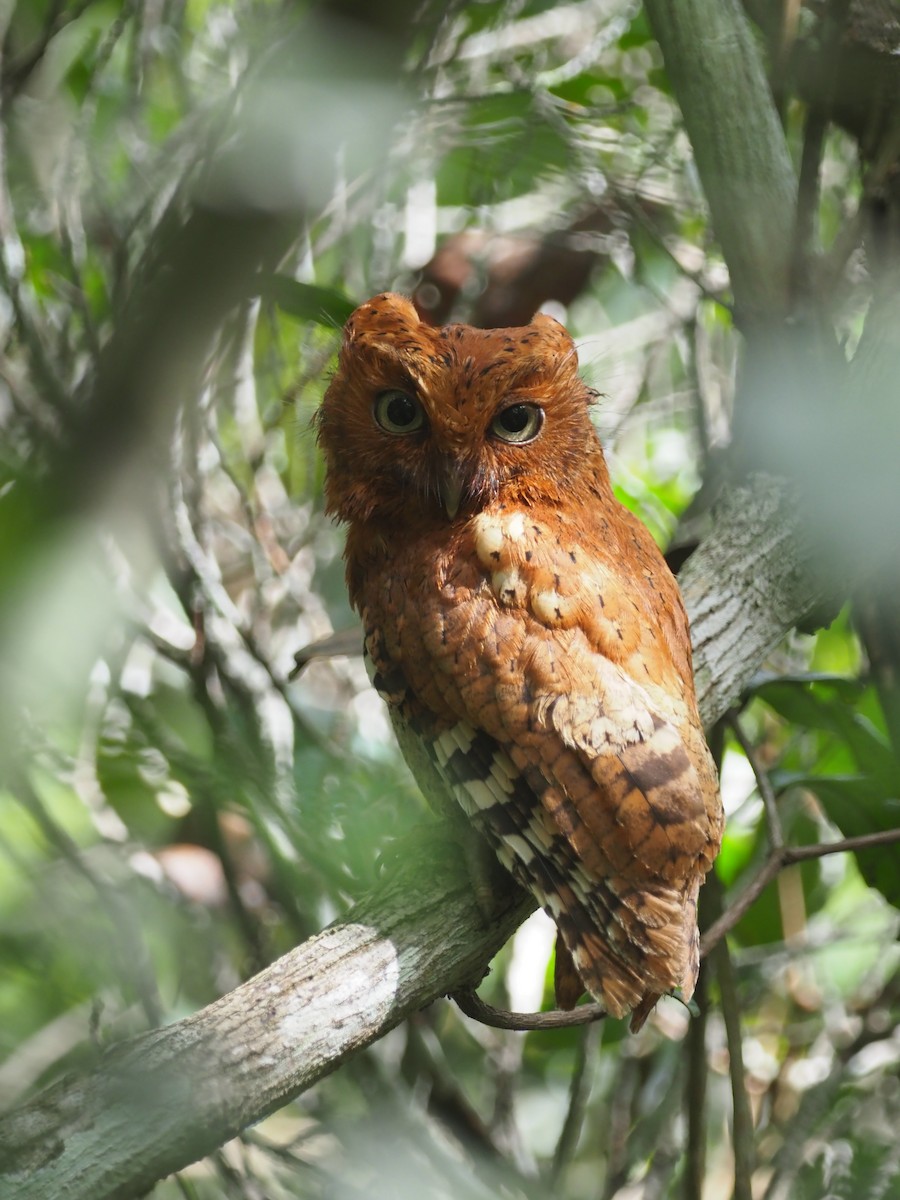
{"points": [[629, 969], [569, 987], [642, 1011]]}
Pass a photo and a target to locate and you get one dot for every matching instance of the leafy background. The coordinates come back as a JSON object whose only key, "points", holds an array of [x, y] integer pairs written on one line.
{"points": [[176, 810]]}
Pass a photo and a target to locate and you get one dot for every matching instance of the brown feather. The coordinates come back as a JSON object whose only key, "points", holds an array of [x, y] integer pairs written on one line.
{"points": [[539, 626]]}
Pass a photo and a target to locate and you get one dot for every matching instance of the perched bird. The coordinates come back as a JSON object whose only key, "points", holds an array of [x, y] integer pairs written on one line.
{"points": [[526, 634]]}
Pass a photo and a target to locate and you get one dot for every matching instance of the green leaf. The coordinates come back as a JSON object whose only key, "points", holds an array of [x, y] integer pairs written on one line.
{"points": [[508, 143], [823, 702], [638, 32], [308, 301], [857, 805], [764, 684]]}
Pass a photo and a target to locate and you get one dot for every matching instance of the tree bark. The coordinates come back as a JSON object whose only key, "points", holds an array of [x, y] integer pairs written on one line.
{"points": [[755, 578], [158, 1102]]}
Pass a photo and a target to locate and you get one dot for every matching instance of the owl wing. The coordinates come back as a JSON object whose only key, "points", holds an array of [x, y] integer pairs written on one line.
{"points": [[557, 709]]}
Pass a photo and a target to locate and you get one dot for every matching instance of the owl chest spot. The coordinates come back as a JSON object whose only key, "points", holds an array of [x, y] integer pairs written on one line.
{"points": [[530, 567]]}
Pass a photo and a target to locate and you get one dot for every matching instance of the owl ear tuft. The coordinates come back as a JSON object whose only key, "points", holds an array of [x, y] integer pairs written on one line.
{"points": [[385, 313], [544, 321], [556, 341]]}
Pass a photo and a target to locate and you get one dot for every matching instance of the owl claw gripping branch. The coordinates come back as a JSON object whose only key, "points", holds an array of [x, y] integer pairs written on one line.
{"points": [[526, 634]]}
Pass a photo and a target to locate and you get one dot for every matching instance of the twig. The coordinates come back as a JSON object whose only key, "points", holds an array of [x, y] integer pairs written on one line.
{"points": [[18, 72], [640, 217], [782, 856], [884, 837], [500, 1018], [742, 1119], [810, 1120], [229, 1178], [489, 1167], [700, 411], [425, 1059], [782, 40], [778, 860], [74, 288], [185, 1186], [763, 783], [579, 1091], [196, 568], [695, 1096]]}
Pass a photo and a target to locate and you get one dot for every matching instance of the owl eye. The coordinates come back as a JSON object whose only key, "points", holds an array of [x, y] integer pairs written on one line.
{"points": [[519, 423], [398, 412]]}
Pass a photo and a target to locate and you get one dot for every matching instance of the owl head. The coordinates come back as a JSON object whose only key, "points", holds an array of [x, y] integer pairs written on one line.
{"points": [[441, 422]]}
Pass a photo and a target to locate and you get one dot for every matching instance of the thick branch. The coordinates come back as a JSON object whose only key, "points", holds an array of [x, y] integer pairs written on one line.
{"points": [[717, 75], [745, 587], [157, 1102]]}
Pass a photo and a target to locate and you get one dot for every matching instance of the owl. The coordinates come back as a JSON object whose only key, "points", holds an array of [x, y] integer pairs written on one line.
{"points": [[526, 634]]}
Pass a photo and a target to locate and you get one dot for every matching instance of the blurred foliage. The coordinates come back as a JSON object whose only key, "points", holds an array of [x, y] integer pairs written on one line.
{"points": [[176, 810]]}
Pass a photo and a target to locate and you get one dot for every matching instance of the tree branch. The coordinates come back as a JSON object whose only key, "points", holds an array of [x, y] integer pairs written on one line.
{"points": [[745, 587], [159, 1101], [500, 1018], [719, 81], [779, 858], [763, 784]]}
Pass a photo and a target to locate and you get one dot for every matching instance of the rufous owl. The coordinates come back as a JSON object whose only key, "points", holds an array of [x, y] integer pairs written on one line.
{"points": [[527, 635]]}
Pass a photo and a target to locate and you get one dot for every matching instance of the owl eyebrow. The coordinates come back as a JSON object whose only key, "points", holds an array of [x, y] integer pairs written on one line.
{"points": [[396, 356], [410, 382], [401, 377], [516, 373], [491, 366]]}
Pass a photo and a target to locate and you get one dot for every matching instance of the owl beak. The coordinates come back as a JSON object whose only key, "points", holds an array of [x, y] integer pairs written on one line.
{"points": [[450, 486]]}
